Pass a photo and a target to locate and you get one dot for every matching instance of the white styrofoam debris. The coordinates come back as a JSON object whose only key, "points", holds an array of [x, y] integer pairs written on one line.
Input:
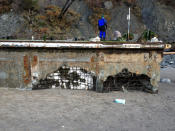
{"points": [[50, 77], [86, 84], [56, 74], [51, 74], [155, 39], [65, 81], [35, 74], [56, 77], [53, 86]]}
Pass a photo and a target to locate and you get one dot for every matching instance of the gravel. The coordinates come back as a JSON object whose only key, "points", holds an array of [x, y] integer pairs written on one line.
{"points": [[168, 61]]}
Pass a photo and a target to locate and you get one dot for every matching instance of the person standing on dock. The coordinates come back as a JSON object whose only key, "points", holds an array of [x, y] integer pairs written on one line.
{"points": [[102, 26]]}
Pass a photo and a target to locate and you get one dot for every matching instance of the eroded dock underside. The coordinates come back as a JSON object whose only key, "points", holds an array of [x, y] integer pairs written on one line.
{"points": [[112, 66]]}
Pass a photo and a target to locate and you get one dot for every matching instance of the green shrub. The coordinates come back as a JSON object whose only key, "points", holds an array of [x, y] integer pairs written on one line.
{"points": [[125, 36], [148, 35]]}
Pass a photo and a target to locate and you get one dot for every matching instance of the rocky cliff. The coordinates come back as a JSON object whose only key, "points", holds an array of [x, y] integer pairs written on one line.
{"points": [[81, 19]]}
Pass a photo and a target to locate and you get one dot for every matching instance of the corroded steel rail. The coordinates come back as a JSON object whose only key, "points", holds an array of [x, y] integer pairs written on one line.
{"points": [[25, 63], [63, 44], [169, 53]]}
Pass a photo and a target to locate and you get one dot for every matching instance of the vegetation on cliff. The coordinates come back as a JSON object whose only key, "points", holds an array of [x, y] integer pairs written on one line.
{"points": [[46, 23], [42, 20], [5, 6]]}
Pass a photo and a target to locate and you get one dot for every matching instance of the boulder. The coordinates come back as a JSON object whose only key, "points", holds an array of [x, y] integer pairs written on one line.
{"points": [[108, 5], [10, 23]]}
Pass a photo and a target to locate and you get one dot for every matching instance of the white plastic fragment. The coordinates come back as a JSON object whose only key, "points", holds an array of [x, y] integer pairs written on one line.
{"points": [[120, 101], [165, 80], [56, 77], [96, 39], [155, 39]]}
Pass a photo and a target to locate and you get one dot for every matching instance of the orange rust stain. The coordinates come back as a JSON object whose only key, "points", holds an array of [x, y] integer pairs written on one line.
{"points": [[27, 74], [34, 61], [92, 59]]}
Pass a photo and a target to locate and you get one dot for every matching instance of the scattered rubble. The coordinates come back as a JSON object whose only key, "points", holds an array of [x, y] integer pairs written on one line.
{"points": [[168, 61]]}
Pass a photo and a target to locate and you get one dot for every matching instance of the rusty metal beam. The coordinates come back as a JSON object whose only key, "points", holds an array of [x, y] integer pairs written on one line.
{"points": [[169, 53], [102, 45]]}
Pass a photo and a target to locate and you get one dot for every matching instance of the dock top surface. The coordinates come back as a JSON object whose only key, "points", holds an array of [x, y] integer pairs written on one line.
{"points": [[80, 44]]}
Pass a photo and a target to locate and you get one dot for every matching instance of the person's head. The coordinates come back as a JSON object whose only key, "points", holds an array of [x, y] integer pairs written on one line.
{"points": [[102, 17]]}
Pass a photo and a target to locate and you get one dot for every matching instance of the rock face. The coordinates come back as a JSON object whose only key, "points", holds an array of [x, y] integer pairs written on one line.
{"points": [[159, 18], [10, 23], [155, 15], [119, 21], [108, 5], [84, 28]]}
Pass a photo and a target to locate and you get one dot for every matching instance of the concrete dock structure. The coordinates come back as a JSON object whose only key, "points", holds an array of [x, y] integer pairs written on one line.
{"points": [[23, 64]]}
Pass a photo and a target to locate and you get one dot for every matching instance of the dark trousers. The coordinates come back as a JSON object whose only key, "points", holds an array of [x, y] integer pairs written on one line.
{"points": [[102, 30]]}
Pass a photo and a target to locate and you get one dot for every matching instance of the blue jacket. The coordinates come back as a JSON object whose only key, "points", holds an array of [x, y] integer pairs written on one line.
{"points": [[102, 24]]}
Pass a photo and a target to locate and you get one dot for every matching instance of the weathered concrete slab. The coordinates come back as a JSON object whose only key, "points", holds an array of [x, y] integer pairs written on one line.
{"points": [[23, 61]]}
